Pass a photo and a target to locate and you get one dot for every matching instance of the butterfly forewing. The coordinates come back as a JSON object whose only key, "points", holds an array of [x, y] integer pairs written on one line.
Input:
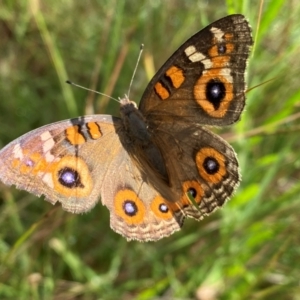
{"points": [[203, 82]]}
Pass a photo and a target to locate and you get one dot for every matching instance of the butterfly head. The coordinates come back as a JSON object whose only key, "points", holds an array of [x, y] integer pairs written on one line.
{"points": [[127, 106]]}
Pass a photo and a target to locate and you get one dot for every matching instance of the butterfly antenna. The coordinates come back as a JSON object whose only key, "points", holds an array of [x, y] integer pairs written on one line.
{"points": [[90, 90], [137, 63], [254, 87]]}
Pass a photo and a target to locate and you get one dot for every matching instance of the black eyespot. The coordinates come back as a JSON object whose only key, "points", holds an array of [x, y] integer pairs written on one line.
{"points": [[192, 192], [211, 165], [130, 208], [222, 49], [215, 92], [163, 208], [69, 178]]}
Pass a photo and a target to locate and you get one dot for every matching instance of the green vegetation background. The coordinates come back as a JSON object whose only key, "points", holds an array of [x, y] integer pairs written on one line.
{"points": [[250, 249]]}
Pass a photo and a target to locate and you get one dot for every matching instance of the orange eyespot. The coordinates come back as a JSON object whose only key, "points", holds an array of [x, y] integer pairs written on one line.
{"points": [[129, 207], [213, 91], [211, 165], [160, 208], [194, 189], [71, 177]]}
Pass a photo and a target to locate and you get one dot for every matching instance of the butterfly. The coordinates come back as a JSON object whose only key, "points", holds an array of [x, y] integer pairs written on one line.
{"points": [[157, 164]]}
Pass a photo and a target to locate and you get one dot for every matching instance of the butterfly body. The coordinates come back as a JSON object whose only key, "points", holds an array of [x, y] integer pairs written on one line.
{"points": [[148, 164]]}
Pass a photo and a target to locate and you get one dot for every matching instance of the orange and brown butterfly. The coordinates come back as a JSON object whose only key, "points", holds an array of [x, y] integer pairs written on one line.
{"points": [[158, 163]]}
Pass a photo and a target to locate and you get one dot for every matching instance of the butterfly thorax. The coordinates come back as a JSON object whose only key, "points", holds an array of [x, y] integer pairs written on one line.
{"points": [[140, 140], [134, 122]]}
